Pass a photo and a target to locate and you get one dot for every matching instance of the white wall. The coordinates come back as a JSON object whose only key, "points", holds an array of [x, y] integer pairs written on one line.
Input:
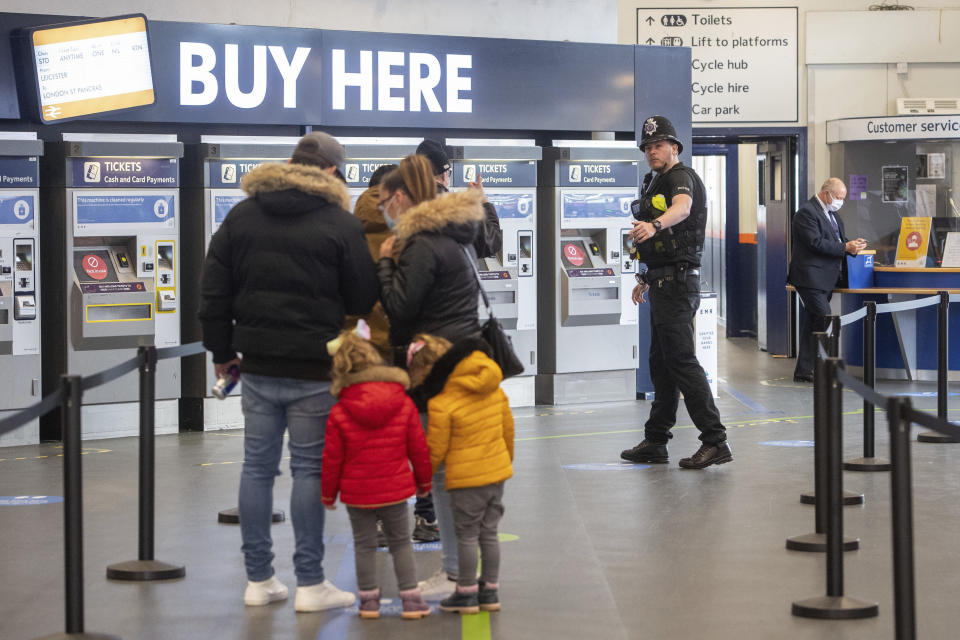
{"points": [[593, 21]]}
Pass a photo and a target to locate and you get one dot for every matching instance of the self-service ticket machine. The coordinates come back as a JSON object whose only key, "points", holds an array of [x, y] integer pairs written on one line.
{"points": [[508, 169], [112, 272], [19, 281], [363, 156], [212, 173], [587, 329]]}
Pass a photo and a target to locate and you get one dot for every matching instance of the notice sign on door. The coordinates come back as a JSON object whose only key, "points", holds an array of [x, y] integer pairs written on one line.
{"points": [[744, 60]]}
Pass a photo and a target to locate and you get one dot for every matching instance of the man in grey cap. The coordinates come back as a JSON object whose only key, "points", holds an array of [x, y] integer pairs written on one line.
{"points": [[284, 269]]}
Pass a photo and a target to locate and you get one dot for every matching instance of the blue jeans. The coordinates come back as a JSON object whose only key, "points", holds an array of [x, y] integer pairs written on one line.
{"points": [[270, 407]]}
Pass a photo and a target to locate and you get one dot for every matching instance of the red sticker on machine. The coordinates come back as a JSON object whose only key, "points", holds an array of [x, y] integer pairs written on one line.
{"points": [[94, 266], [574, 254]]}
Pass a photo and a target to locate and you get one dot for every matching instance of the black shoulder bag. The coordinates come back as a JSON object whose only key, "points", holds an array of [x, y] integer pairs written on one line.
{"points": [[493, 333]]}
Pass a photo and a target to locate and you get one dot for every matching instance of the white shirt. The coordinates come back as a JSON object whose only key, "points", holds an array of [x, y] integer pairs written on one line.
{"points": [[827, 213]]}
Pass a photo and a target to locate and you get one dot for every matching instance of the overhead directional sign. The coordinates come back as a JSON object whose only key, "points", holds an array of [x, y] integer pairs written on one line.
{"points": [[744, 59]]}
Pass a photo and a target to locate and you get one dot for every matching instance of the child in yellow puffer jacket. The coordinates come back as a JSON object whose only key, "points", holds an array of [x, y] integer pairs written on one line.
{"points": [[470, 431]]}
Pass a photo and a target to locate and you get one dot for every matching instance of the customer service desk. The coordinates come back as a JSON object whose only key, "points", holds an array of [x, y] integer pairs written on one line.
{"points": [[906, 340]]}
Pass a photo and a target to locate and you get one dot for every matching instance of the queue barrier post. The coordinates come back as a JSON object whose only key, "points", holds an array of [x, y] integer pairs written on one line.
{"points": [[831, 342], [835, 605], [70, 423], [817, 541], [943, 352], [146, 567], [901, 505], [869, 461]]}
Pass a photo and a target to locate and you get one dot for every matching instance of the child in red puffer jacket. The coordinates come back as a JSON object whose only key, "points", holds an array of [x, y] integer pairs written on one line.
{"points": [[373, 437]]}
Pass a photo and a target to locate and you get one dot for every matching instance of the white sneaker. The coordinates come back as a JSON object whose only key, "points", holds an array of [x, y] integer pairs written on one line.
{"points": [[264, 592], [437, 586], [318, 597]]}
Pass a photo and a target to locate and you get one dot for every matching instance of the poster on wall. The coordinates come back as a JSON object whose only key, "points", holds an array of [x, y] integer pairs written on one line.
{"points": [[932, 165], [913, 242], [744, 59], [951, 250], [857, 187], [895, 183]]}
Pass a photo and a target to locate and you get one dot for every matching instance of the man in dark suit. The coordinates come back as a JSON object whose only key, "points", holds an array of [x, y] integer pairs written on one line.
{"points": [[819, 247]]}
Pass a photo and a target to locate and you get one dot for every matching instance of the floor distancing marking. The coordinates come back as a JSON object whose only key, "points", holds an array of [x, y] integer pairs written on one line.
{"points": [[83, 452]]}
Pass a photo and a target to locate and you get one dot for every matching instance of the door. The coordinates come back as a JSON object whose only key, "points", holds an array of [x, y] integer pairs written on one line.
{"points": [[776, 189]]}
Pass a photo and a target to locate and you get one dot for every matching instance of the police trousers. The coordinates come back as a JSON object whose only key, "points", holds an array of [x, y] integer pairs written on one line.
{"points": [[674, 367]]}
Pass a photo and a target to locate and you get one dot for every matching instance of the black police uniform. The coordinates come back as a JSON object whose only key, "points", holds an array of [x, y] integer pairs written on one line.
{"points": [[673, 274]]}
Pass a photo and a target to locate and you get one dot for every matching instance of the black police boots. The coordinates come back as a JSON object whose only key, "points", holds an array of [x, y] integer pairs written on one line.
{"points": [[707, 455], [646, 452]]}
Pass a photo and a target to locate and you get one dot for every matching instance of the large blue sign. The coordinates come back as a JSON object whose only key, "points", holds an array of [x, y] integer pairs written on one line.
{"points": [[599, 174], [512, 205], [125, 172], [124, 209], [212, 73], [227, 174], [222, 204], [18, 209], [495, 174], [596, 205], [19, 172]]}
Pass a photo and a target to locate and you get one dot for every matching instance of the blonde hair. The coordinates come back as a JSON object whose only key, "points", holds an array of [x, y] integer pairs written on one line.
{"points": [[414, 177], [422, 361], [353, 355]]}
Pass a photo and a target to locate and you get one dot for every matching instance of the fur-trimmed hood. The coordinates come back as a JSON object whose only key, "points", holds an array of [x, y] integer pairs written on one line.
{"points": [[368, 213], [455, 214], [272, 182], [443, 368], [378, 373]]}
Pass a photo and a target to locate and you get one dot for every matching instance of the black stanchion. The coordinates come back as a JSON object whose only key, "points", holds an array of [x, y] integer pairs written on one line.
{"points": [[943, 348], [835, 605], [817, 541], [869, 461], [901, 502], [73, 512], [831, 342], [145, 567]]}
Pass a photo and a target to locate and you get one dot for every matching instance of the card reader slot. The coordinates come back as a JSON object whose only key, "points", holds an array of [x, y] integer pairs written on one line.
{"points": [[119, 312]]}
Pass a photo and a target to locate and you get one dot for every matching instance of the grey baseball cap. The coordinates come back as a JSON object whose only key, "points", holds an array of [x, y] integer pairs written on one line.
{"points": [[319, 149]]}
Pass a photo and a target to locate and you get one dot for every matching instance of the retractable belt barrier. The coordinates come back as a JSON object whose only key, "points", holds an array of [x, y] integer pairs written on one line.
{"points": [[69, 398], [830, 378]]}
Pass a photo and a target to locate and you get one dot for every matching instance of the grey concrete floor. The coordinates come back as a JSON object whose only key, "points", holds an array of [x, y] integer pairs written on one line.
{"points": [[611, 553]]}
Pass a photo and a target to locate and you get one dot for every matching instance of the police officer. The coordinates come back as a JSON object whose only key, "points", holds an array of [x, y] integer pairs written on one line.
{"points": [[671, 216]]}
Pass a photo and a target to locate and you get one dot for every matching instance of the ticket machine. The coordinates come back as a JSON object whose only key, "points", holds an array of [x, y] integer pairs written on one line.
{"points": [[112, 272], [508, 169], [19, 281], [587, 328], [212, 173], [363, 156]]}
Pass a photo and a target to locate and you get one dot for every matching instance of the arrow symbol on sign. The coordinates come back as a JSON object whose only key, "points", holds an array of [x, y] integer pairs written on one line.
{"points": [[650, 41], [650, 20]]}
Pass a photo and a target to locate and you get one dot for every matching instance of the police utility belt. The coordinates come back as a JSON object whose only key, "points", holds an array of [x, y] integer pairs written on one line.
{"points": [[669, 272]]}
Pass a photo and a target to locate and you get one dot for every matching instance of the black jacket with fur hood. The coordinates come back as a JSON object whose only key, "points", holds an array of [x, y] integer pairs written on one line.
{"points": [[284, 269], [432, 288]]}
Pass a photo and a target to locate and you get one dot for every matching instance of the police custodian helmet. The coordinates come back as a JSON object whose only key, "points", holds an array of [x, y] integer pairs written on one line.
{"points": [[657, 128]]}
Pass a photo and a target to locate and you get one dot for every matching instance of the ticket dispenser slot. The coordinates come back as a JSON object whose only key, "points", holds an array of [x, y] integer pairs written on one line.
{"points": [[24, 282], [525, 254], [166, 278], [626, 252]]}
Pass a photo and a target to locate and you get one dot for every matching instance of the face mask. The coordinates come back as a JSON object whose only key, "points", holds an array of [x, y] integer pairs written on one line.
{"points": [[390, 222], [835, 205]]}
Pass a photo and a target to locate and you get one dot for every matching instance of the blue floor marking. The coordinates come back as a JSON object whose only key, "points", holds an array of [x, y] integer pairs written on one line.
{"points": [[606, 466], [787, 443], [746, 401]]}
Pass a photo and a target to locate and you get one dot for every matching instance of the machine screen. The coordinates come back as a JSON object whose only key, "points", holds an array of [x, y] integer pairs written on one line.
{"points": [[574, 254]]}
